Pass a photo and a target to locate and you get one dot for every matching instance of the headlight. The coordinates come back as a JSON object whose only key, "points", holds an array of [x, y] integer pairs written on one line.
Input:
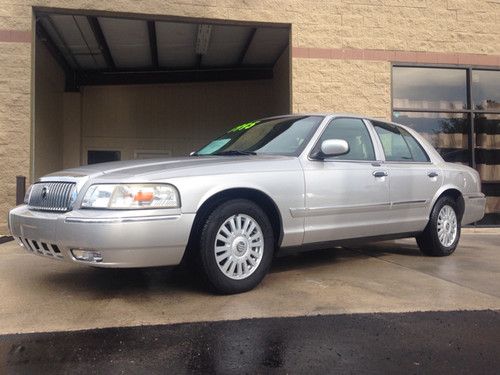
{"points": [[27, 195], [131, 196]]}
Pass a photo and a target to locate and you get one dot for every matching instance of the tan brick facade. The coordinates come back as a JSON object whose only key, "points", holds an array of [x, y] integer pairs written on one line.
{"points": [[341, 52]]}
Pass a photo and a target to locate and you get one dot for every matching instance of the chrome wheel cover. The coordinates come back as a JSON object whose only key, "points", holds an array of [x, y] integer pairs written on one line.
{"points": [[447, 226], [239, 246]]}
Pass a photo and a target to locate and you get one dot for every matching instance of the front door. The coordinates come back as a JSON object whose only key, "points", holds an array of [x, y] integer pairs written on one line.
{"points": [[347, 196]]}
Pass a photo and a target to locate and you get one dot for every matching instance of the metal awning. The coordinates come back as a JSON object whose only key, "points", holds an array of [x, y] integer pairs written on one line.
{"points": [[97, 50]]}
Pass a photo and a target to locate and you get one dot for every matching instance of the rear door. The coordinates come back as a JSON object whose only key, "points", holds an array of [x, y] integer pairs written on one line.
{"points": [[347, 196], [414, 180]]}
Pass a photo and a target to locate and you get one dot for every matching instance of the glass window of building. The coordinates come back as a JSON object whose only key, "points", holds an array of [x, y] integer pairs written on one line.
{"points": [[486, 90], [430, 88], [464, 129]]}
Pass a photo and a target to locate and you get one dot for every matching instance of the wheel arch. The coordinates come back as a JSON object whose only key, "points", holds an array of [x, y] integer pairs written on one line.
{"points": [[257, 196], [454, 193]]}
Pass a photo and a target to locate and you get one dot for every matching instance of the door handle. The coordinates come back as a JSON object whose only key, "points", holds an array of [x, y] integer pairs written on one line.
{"points": [[380, 173], [432, 174]]}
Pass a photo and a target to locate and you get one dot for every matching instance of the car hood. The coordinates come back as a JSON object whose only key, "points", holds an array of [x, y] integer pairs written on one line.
{"points": [[157, 169]]}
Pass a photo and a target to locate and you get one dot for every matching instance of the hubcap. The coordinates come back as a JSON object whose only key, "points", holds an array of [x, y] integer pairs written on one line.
{"points": [[239, 246], [447, 226]]}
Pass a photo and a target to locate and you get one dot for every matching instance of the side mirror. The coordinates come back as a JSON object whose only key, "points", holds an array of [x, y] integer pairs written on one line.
{"points": [[334, 147]]}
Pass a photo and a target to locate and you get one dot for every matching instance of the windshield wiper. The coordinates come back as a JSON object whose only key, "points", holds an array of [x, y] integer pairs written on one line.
{"points": [[235, 152]]}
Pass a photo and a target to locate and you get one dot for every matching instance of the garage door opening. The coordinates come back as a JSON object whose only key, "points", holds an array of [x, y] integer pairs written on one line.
{"points": [[109, 87]]}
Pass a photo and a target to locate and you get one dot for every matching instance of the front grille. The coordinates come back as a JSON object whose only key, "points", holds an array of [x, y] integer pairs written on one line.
{"points": [[41, 248], [51, 196]]}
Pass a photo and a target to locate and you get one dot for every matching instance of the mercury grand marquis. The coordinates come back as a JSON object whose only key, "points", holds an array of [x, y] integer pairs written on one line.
{"points": [[264, 187]]}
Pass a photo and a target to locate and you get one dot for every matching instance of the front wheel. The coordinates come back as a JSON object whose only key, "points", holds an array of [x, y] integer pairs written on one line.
{"points": [[236, 246], [442, 233]]}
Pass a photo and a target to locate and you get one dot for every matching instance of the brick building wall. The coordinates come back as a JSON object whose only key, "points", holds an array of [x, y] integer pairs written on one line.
{"points": [[341, 52]]}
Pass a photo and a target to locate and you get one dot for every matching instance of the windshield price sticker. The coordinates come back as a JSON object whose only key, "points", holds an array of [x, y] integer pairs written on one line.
{"points": [[245, 126]]}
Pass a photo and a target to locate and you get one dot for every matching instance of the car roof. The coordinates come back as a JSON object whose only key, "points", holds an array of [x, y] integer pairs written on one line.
{"points": [[334, 114]]}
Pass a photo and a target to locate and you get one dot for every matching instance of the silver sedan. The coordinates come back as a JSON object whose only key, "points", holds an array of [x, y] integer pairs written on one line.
{"points": [[264, 187]]}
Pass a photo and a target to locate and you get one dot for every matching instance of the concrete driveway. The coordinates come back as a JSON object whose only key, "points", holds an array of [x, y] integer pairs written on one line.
{"points": [[40, 295]]}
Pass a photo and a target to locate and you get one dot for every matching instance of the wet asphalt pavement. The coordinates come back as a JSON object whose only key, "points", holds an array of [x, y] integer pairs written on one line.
{"points": [[383, 343]]}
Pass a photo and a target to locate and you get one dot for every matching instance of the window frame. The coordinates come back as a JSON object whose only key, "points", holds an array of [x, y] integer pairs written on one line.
{"points": [[313, 149]]}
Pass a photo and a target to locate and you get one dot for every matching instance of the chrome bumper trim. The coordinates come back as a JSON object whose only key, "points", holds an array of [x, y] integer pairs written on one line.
{"points": [[131, 219]]}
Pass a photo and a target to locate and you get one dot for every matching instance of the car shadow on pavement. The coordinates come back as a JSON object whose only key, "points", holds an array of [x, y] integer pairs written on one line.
{"points": [[103, 283], [314, 258], [377, 249]]}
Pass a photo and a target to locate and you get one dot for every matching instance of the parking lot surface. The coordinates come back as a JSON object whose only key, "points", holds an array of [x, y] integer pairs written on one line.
{"points": [[376, 308], [41, 295]]}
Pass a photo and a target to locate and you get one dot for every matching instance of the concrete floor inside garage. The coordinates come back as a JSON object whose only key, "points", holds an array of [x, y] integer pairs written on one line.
{"points": [[376, 308]]}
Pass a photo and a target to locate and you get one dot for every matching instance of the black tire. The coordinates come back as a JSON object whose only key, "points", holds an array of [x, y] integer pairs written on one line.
{"points": [[217, 280], [428, 241]]}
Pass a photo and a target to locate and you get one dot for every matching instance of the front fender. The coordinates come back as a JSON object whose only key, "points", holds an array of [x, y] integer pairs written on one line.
{"points": [[284, 188]]}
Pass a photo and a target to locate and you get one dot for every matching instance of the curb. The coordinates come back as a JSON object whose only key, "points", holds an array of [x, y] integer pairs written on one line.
{"points": [[481, 230]]}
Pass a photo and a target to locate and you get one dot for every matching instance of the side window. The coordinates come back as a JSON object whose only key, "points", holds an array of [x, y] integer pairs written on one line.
{"points": [[395, 147], [416, 149], [355, 133]]}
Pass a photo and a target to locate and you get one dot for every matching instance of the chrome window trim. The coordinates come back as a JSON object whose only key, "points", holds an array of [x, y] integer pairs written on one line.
{"points": [[409, 162]]}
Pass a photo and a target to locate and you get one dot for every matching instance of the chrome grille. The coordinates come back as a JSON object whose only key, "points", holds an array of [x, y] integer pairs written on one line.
{"points": [[51, 196]]}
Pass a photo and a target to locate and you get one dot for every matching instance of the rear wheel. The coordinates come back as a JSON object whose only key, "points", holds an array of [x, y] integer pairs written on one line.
{"points": [[442, 233], [236, 246]]}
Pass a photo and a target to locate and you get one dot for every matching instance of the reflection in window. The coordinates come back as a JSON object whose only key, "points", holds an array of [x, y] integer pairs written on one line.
{"points": [[447, 132], [486, 89], [429, 88], [487, 155]]}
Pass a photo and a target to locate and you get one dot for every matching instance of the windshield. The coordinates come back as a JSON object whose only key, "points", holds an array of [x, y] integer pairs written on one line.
{"points": [[280, 136]]}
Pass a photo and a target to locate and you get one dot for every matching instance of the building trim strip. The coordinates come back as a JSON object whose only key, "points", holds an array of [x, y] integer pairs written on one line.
{"points": [[15, 36], [396, 56]]}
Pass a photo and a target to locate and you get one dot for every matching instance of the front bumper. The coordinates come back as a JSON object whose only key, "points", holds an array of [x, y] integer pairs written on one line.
{"points": [[123, 238]]}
